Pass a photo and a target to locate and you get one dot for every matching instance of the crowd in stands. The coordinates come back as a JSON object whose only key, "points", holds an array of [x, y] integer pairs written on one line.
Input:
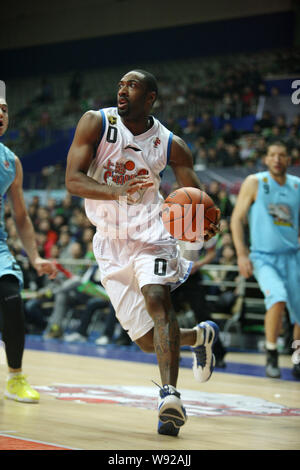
{"points": [[228, 87], [215, 148], [228, 147]]}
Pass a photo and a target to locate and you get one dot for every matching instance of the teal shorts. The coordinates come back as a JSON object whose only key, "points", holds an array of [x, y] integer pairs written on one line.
{"points": [[278, 276], [8, 264]]}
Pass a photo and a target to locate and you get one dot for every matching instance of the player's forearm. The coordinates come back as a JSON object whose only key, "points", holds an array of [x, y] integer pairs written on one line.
{"points": [[27, 236], [84, 186], [237, 230], [190, 179], [209, 257]]}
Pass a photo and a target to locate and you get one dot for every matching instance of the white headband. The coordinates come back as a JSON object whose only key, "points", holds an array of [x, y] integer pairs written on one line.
{"points": [[2, 90]]}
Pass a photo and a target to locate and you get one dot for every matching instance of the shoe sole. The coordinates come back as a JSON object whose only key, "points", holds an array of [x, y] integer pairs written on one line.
{"points": [[170, 421], [10, 396]]}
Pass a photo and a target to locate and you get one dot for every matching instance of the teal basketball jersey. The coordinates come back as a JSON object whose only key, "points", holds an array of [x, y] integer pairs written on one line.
{"points": [[274, 216], [7, 176]]}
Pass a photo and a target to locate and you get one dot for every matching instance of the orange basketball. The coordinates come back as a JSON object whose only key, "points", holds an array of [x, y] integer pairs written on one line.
{"points": [[187, 212]]}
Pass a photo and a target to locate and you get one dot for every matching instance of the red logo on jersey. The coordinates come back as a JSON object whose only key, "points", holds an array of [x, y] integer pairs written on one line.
{"points": [[117, 172], [6, 164], [156, 142], [108, 165], [129, 165]]}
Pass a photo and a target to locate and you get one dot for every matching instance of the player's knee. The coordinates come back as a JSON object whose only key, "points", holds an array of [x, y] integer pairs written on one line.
{"points": [[145, 343], [278, 308], [154, 298], [146, 347]]}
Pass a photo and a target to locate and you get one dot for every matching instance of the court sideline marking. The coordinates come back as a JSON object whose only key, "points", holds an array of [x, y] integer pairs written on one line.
{"points": [[8, 442]]}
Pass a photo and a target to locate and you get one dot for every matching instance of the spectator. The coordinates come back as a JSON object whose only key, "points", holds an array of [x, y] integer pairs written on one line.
{"points": [[45, 92], [67, 206], [274, 135], [224, 204], [58, 221], [200, 154], [64, 244], [221, 152], [223, 240], [247, 99], [266, 122], [174, 126], [44, 227], [107, 337], [67, 297], [190, 132], [295, 155], [229, 134], [296, 122], [233, 157], [75, 87], [226, 294], [281, 124], [213, 191], [205, 128], [212, 158], [87, 235], [93, 306]]}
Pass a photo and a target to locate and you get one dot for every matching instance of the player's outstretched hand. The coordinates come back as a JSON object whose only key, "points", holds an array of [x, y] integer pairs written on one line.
{"points": [[213, 228], [44, 266]]}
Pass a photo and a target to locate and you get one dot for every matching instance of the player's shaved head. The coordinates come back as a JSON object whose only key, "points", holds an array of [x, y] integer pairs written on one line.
{"points": [[149, 80]]}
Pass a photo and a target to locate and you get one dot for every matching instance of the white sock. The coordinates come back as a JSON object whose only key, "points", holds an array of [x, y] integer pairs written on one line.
{"points": [[199, 338], [271, 346], [13, 374]]}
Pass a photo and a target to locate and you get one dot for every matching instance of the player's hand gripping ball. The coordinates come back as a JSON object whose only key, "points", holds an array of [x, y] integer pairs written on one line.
{"points": [[190, 214]]}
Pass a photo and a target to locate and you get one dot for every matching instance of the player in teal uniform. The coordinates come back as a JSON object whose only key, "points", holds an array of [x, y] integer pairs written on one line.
{"points": [[11, 278], [271, 200]]}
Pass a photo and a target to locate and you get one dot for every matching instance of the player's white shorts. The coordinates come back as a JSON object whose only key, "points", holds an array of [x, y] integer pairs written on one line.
{"points": [[127, 266]]}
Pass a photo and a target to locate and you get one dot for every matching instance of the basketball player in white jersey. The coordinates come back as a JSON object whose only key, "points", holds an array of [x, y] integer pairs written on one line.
{"points": [[115, 162]]}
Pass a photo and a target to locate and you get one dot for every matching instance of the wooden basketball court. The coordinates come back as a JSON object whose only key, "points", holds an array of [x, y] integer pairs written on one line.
{"points": [[109, 403]]}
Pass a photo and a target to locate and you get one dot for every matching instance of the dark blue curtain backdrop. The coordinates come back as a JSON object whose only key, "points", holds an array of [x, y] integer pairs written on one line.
{"points": [[238, 35]]}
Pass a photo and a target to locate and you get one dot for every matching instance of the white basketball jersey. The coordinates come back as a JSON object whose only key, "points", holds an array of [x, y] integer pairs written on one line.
{"points": [[121, 156]]}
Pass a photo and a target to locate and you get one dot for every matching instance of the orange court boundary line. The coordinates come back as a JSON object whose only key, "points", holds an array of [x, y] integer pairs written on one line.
{"points": [[8, 442]]}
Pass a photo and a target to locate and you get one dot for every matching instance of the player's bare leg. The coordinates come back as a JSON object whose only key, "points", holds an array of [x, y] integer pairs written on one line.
{"points": [[201, 339], [166, 333], [273, 322], [166, 343], [165, 339], [273, 325]]}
